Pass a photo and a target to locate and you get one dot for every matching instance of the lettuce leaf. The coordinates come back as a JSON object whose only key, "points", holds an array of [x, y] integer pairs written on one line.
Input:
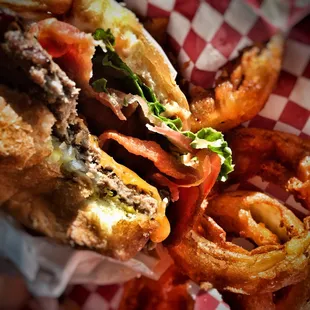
{"points": [[209, 138], [206, 138], [100, 85], [106, 36], [122, 72]]}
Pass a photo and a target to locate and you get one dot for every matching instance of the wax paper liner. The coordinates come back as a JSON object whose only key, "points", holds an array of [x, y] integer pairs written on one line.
{"points": [[48, 267], [205, 35]]}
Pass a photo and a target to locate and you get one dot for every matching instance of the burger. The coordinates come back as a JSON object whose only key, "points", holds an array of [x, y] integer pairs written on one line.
{"points": [[89, 68]]}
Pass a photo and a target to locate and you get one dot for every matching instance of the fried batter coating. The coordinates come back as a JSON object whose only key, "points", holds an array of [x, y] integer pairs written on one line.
{"points": [[253, 302], [300, 185], [56, 196], [238, 96], [281, 256], [294, 297], [24, 139], [277, 157], [25, 129], [55, 178]]}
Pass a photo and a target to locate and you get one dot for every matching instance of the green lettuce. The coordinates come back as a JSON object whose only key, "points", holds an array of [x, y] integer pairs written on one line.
{"points": [[206, 138], [209, 138], [106, 36], [100, 85], [122, 72]]}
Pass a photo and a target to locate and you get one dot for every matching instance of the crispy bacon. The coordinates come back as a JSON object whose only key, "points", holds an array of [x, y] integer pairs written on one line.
{"points": [[73, 50], [183, 175], [145, 109], [211, 168], [177, 138], [164, 161], [165, 182], [215, 168], [114, 100], [192, 203]]}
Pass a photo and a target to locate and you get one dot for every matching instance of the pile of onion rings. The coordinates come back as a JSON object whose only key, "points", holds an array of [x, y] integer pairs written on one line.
{"points": [[293, 297], [269, 269], [277, 157], [280, 256]]}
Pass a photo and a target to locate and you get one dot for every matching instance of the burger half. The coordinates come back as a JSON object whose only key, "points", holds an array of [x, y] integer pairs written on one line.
{"points": [[56, 180]]}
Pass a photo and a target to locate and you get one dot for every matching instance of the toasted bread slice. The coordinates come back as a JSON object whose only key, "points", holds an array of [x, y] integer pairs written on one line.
{"points": [[136, 48]]}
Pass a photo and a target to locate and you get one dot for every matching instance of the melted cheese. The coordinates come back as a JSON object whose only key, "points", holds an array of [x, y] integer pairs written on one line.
{"points": [[125, 174], [131, 178]]}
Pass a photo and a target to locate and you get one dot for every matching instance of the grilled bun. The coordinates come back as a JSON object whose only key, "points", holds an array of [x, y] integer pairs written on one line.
{"points": [[136, 48], [55, 178]]}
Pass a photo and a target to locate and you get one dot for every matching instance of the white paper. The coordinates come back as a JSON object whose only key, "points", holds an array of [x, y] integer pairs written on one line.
{"points": [[49, 267]]}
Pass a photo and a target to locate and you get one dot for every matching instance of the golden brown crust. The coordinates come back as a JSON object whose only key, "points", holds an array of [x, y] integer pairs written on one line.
{"points": [[157, 27], [25, 130], [48, 203], [59, 209], [294, 297], [277, 157], [260, 145], [253, 302], [241, 95], [268, 267]]}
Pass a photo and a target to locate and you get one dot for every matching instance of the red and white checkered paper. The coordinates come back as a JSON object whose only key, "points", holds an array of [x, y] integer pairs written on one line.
{"points": [[206, 34]]}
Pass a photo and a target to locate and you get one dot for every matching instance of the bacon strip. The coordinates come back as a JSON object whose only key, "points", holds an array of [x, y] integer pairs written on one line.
{"points": [[211, 169], [145, 109], [164, 161], [73, 50], [163, 181], [177, 138], [191, 203], [183, 175], [215, 168], [113, 100]]}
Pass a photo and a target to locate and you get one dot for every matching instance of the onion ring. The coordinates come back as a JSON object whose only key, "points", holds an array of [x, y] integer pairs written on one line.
{"points": [[294, 297], [238, 95], [161, 180], [267, 268], [277, 157]]}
